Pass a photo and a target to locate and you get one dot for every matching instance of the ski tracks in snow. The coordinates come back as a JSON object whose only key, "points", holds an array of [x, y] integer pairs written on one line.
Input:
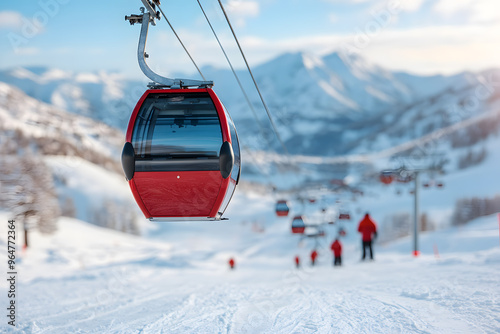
{"points": [[166, 293]]}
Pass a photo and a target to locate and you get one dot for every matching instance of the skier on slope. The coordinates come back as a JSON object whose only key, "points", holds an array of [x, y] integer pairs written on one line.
{"points": [[297, 261], [336, 248], [231, 263], [368, 230], [314, 255]]}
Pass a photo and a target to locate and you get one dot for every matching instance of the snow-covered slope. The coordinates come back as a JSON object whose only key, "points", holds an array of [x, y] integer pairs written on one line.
{"points": [[103, 96], [93, 280], [29, 124]]}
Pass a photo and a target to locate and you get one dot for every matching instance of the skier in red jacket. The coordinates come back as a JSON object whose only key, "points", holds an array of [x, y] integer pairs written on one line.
{"points": [[297, 261], [336, 248], [368, 230], [231, 263], [314, 255]]}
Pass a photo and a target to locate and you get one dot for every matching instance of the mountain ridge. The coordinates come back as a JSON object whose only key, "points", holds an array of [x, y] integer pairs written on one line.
{"points": [[338, 98]]}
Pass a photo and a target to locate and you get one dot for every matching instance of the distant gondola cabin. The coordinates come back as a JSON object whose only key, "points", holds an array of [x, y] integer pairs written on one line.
{"points": [[282, 208], [298, 225]]}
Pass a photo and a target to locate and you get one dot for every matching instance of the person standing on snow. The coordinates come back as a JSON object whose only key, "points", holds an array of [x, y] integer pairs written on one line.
{"points": [[368, 230], [231, 263], [297, 261], [314, 255], [336, 248]]}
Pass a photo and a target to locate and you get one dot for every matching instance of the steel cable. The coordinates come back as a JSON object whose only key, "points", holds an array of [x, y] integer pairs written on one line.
{"points": [[254, 81]]}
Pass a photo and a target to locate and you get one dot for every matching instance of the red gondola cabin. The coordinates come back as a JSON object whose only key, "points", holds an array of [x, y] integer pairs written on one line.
{"points": [[181, 156], [386, 177], [282, 208], [298, 225], [344, 216]]}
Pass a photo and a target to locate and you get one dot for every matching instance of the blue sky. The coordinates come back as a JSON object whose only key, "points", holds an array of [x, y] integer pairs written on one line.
{"points": [[419, 36]]}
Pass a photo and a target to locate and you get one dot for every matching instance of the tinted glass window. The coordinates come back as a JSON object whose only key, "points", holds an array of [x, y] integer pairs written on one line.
{"points": [[298, 223], [177, 132], [281, 207]]}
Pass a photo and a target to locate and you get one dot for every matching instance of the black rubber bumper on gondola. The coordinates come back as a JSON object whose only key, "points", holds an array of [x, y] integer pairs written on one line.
{"points": [[226, 159], [128, 160]]}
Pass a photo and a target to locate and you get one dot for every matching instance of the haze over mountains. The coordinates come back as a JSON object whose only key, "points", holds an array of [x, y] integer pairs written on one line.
{"points": [[326, 106]]}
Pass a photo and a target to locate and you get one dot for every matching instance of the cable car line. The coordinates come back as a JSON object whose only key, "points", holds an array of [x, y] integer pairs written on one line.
{"points": [[231, 66], [259, 123], [180, 41], [275, 130], [229, 62], [254, 81], [232, 69]]}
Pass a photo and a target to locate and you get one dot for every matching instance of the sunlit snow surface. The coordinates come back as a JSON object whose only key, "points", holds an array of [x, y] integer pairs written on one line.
{"points": [[176, 280]]}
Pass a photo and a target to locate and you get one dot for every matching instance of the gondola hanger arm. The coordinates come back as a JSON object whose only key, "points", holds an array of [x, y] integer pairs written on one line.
{"points": [[148, 16]]}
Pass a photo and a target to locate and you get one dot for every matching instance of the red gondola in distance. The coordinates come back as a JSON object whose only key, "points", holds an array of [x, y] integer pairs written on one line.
{"points": [[282, 208], [386, 177], [298, 225], [344, 216], [181, 156]]}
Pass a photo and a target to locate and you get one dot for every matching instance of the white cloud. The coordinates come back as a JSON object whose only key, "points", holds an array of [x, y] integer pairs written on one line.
{"points": [[347, 1], [20, 25], [245, 8], [241, 10], [433, 50], [11, 20], [398, 5], [411, 5], [476, 10]]}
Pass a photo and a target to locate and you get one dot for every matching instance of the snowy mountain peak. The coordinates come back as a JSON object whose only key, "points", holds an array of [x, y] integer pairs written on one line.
{"points": [[311, 97]]}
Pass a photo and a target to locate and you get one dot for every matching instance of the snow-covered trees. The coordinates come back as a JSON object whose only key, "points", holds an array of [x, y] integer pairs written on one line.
{"points": [[115, 215], [28, 192], [467, 209]]}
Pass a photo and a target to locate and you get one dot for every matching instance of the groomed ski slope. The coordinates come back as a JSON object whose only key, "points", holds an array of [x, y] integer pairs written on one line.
{"points": [[86, 279]]}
